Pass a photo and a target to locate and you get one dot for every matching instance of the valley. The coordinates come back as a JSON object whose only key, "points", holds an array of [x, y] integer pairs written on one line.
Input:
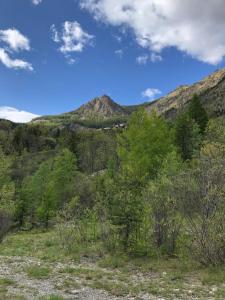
{"points": [[115, 202]]}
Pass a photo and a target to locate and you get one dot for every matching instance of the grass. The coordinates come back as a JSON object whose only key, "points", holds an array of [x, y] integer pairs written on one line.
{"points": [[213, 276], [42, 245], [167, 278], [45, 246], [51, 297], [38, 272], [6, 282], [114, 262], [114, 288], [84, 273]]}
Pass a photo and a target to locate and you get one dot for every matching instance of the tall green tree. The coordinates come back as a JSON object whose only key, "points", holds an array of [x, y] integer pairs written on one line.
{"points": [[144, 145], [198, 113], [32, 195], [187, 136]]}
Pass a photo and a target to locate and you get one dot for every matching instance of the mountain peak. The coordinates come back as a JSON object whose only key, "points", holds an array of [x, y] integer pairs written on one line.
{"points": [[100, 108]]}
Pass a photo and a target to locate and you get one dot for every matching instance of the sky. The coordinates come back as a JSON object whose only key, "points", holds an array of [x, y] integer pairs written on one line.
{"points": [[56, 55]]}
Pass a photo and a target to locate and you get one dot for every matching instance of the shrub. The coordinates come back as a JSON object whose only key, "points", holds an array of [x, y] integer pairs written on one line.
{"points": [[201, 196]]}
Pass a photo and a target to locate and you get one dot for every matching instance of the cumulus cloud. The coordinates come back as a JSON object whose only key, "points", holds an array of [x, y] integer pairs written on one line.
{"points": [[72, 38], [14, 39], [36, 2], [15, 115], [196, 28], [151, 93], [14, 63]]}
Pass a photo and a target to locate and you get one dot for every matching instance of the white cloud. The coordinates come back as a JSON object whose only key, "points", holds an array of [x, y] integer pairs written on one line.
{"points": [[145, 58], [154, 57], [14, 63], [72, 37], [15, 115], [36, 2], [119, 53], [15, 40], [196, 28], [142, 59], [70, 60], [151, 93]]}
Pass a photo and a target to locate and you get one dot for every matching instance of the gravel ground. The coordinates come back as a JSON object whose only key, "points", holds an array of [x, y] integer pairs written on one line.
{"points": [[87, 282], [14, 269]]}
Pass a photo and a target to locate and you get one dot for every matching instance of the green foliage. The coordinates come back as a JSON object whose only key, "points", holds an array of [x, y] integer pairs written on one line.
{"points": [[7, 192], [128, 190], [95, 150], [200, 193], [197, 113], [144, 146], [187, 136], [162, 207], [48, 190], [190, 128]]}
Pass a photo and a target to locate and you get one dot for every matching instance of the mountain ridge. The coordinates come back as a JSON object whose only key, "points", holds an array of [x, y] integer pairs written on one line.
{"points": [[210, 89]]}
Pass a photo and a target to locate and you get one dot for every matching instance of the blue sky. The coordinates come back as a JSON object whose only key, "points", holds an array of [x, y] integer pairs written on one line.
{"points": [[111, 56]]}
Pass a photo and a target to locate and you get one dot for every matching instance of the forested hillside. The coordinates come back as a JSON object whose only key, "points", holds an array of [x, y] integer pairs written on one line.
{"points": [[152, 189]]}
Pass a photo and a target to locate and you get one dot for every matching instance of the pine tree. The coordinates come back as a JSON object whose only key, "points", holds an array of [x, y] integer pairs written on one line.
{"points": [[187, 136], [198, 113]]}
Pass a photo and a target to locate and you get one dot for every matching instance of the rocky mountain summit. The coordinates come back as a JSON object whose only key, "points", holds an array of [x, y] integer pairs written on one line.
{"points": [[100, 108]]}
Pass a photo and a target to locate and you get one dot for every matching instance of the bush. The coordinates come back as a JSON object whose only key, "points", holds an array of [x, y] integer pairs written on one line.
{"points": [[201, 196]]}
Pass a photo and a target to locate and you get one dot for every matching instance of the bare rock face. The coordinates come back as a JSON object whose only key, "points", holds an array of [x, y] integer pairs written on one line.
{"points": [[211, 91], [100, 108]]}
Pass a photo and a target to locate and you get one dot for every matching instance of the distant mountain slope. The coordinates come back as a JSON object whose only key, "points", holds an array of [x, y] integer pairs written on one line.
{"points": [[100, 108], [103, 111], [211, 91]]}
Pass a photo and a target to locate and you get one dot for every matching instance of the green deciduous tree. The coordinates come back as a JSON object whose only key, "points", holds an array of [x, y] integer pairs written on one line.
{"points": [[144, 146]]}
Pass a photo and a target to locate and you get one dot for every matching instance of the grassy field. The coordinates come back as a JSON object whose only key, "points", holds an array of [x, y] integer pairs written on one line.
{"points": [[35, 266]]}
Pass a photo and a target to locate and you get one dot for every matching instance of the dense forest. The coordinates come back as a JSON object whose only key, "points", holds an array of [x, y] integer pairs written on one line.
{"points": [[153, 188]]}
